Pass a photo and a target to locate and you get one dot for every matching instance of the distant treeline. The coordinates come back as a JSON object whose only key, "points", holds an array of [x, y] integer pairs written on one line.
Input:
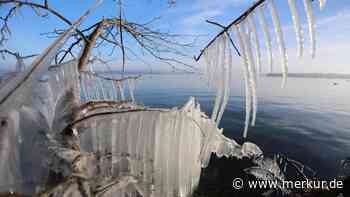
{"points": [[312, 75]]}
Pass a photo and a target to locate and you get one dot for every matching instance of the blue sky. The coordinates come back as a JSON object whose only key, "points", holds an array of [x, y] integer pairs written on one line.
{"points": [[188, 17]]}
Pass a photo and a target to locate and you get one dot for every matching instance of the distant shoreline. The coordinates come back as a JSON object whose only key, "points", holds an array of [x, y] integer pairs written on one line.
{"points": [[311, 75]]}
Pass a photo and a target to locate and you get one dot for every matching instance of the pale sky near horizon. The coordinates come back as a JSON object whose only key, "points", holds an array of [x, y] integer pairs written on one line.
{"points": [[188, 17]]}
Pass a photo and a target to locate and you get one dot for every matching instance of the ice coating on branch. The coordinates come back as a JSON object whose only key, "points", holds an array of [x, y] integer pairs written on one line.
{"points": [[297, 26], [98, 88], [311, 25], [322, 4], [267, 35], [128, 153], [13, 92], [248, 92], [280, 40], [140, 144], [251, 68], [49, 95], [252, 26]]}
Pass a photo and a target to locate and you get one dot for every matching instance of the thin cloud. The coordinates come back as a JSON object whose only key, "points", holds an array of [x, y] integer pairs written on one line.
{"points": [[207, 9]]}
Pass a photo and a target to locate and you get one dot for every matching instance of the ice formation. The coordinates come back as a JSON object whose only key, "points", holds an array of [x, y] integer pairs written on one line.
{"points": [[311, 25], [322, 4], [94, 87], [297, 26], [217, 75], [20, 66], [247, 36], [138, 144], [110, 146], [252, 26], [280, 39], [13, 93], [227, 79], [267, 35], [248, 87], [131, 86]]}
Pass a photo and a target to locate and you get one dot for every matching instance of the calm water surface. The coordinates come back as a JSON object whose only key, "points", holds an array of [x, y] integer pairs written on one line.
{"points": [[308, 120]]}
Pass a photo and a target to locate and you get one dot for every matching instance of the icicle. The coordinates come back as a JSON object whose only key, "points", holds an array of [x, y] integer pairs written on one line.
{"points": [[322, 4], [297, 26], [20, 66], [114, 91], [311, 24], [103, 93], [87, 86], [251, 68], [246, 81], [228, 67], [131, 86], [121, 90], [218, 77], [221, 76], [95, 87], [83, 95], [265, 29], [252, 26], [280, 40]]}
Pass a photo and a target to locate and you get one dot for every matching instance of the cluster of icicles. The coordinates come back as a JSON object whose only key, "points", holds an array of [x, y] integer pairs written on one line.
{"points": [[218, 55], [96, 88]]}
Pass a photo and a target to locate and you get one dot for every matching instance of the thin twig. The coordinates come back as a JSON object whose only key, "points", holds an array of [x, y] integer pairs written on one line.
{"points": [[228, 35]]}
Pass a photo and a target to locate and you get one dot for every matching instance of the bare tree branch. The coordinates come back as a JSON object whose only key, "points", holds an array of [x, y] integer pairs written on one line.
{"points": [[17, 55], [111, 33]]}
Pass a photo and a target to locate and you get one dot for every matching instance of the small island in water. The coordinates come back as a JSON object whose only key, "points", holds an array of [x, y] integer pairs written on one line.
{"points": [[311, 75]]}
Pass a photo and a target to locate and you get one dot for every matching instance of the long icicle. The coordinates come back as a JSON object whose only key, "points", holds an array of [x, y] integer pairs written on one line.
{"points": [[267, 35], [222, 75], [297, 27], [252, 25], [218, 79], [251, 68], [227, 75], [246, 81], [311, 24], [280, 40]]}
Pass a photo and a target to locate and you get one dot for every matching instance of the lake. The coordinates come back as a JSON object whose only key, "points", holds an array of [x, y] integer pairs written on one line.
{"points": [[308, 120]]}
